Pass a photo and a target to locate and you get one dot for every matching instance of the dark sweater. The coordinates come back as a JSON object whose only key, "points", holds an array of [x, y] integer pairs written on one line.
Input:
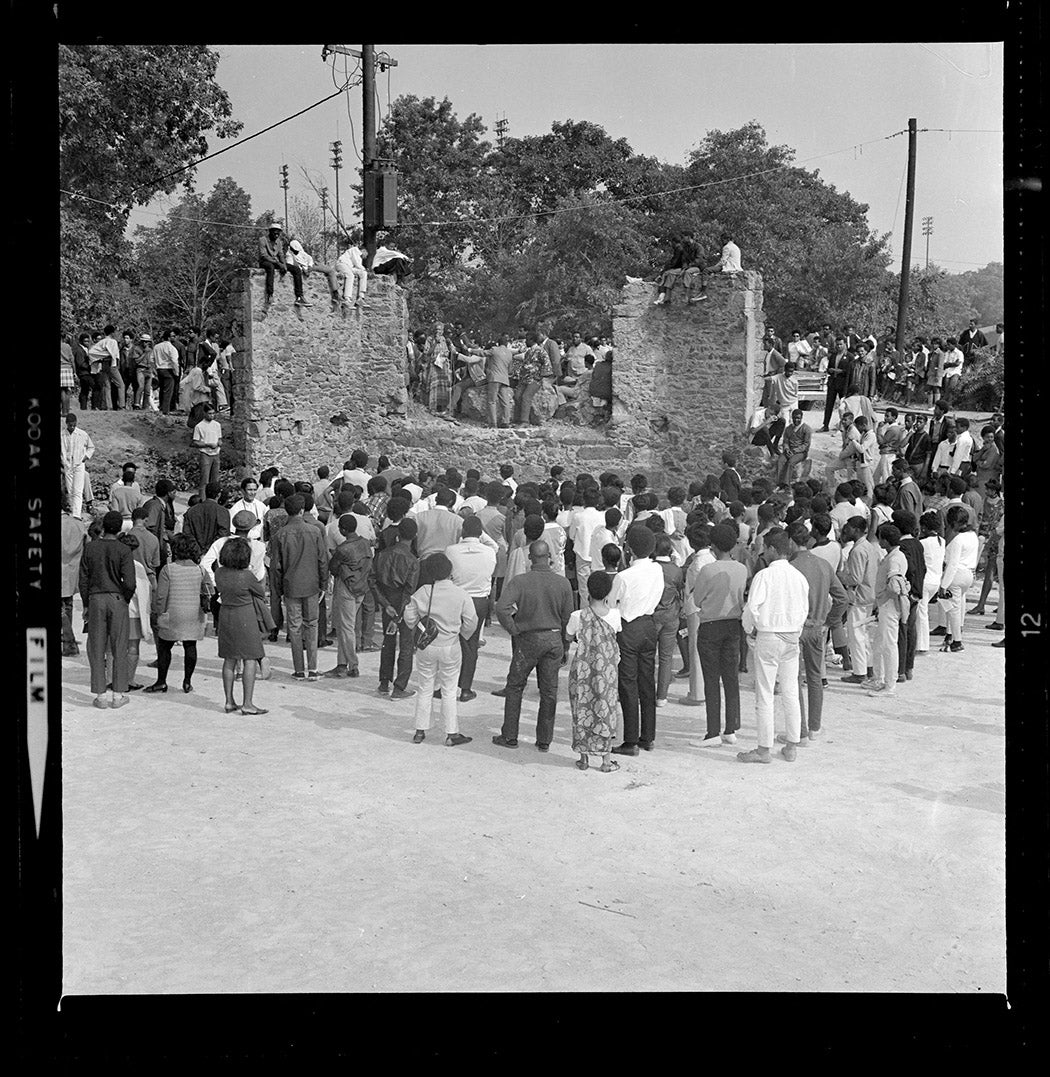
{"points": [[107, 567]]}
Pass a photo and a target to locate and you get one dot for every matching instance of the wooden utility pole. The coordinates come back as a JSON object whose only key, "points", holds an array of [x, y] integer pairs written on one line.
{"points": [[909, 220], [368, 122], [337, 164], [284, 185], [324, 223]]}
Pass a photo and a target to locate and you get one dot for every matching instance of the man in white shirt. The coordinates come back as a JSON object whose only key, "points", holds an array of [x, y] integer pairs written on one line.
{"points": [[730, 260], [473, 567], [601, 537], [473, 499], [576, 355], [352, 269], [636, 592], [506, 477], [250, 503], [953, 366], [581, 530], [962, 457], [866, 453], [799, 351], [207, 440], [354, 470], [105, 362], [775, 614], [77, 449], [243, 523]]}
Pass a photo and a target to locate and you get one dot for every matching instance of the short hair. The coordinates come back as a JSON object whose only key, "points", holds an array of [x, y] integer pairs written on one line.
{"points": [[472, 527], [611, 554], [347, 524], [662, 547], [767, 512], [778, 540], [344, 499], [185, 548], [212, 490], [358, 458], [639, 482], [640, 540], [599, 584], [819, 505], [699, 535], [308, 501], [294, 505], [533, 527], [505, 471], [235, 553], [438, 566], [112, 522], [377, 485], [962, 423], [957, 485], [889, 533], [676, 495], [729, 458], [323, 472], [397, 508], [856, 523], [845, 491], [126, 538], [892, 411], [798, 533], [735, 509], [821, 525], [613, 517], [931, 522], [906, 521], [494, 493], [883, 494], [958, 518], [407, 528], [247, 479], [724, 537], [141, 513]]}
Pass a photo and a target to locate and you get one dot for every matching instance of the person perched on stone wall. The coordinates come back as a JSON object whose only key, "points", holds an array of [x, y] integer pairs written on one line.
{"points": [[351, 268], [684, 266], [297, 255], [273, 259]]}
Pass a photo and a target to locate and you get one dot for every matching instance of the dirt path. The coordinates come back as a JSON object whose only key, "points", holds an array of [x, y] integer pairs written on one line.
{"points": [[316, 848]]}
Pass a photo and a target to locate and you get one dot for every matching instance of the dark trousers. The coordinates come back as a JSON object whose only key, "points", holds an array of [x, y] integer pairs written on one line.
{"points": [[811, 664], [276, 606], [297, 279], [108, 631], [366, 621], [469, 647], [718, 644], [835, 387], [402, 644], [168, 383], [189, 654], [87, 385], [540, 651], [69, 639], [637, 680], [100, 391], [906, 639]]}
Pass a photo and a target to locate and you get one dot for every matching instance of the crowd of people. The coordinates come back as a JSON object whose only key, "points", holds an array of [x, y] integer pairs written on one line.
{"points": [[793, 578]]}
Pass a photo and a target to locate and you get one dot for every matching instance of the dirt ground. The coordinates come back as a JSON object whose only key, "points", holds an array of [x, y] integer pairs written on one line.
{"points": [[315, 848]]}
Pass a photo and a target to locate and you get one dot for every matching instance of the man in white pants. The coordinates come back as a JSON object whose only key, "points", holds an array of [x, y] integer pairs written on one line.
{"points": [[452, 610], [352, 269], [776, 611], [77, 449], [858, 578], [891, 591]]}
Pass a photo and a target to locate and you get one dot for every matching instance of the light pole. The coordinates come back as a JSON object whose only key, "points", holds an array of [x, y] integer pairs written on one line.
{"points": [[337, 164], [284, 185], [927, 231], [324, 222]]}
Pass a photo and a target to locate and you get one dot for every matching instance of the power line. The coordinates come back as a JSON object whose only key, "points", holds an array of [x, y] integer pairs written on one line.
{"points": [[233, 145], [158, 213]]}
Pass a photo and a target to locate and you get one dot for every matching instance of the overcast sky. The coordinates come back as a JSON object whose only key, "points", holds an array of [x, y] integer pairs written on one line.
{"points": [[663, 99]]}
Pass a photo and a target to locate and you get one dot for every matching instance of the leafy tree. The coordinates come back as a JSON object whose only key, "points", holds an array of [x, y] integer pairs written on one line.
{"points": [[186, 264], [127, 115]]}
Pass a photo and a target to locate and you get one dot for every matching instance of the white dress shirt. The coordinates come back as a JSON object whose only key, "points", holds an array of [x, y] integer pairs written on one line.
{"points": [[582, 528], [637, 590], [778, 600], [257, 565], [473, 566], [963, 452], [76, 447], [601, 537], [961, 552], [430, 502], [358, 478]]}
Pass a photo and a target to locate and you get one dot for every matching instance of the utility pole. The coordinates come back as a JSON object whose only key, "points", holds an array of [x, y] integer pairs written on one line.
{"points": [[284, 184], [909, 220], [373, 186], [927, 231], [337, 164], [324, 223], [501, 126]]}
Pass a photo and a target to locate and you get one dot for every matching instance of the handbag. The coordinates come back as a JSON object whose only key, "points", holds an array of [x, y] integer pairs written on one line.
{"points": [[427, 629], [262, 614]]}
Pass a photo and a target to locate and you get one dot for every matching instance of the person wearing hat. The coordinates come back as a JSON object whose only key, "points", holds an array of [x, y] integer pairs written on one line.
{"points": [[243, 523], [126, 495], [273, 258]]}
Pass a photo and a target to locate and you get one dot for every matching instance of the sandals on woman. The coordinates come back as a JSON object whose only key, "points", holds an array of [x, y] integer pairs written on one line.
{"points": [[608, 768]]}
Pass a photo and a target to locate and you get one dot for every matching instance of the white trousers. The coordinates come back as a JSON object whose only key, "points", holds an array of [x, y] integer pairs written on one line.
{"points": [[922, 614], [696, 673], [355, 285], [75, 476], [887, 659], [956, 612], [774, 655], [884, 467], [857, 621], [438, 667]]}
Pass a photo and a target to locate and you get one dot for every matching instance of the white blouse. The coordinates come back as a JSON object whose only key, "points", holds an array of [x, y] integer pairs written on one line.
{"points": [[612, 618], [933, 551], [961, 552]]}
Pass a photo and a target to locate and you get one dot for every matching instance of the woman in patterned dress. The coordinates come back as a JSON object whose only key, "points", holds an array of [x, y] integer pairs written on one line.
{"points": [[593, 675], [438, 371]]}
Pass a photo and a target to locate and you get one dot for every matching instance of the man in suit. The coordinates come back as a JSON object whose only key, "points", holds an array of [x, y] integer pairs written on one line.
{"points": [[207, 520], [299, 561], [838, 375]]}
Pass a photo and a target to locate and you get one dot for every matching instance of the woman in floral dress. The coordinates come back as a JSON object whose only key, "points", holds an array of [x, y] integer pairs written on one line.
{"points": [[593, 675], [438, 371]]}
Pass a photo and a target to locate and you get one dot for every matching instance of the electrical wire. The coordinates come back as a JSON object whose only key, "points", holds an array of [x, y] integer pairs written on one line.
{"points": [[233, 145], [159, 213], [968, 74]]}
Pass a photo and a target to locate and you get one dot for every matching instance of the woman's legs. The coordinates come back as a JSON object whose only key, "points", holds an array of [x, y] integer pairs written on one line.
{"points": [[227, 681], [164, 647], [248, 680], [133, 660], [189, 651]]}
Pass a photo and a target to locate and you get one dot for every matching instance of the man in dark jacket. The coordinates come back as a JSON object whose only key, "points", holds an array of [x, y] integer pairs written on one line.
{"points": [[299, 560], [207, 520], [107, 585], [273, 254], [970, 339], [394, 580], [911, 547], [350, 566]]}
